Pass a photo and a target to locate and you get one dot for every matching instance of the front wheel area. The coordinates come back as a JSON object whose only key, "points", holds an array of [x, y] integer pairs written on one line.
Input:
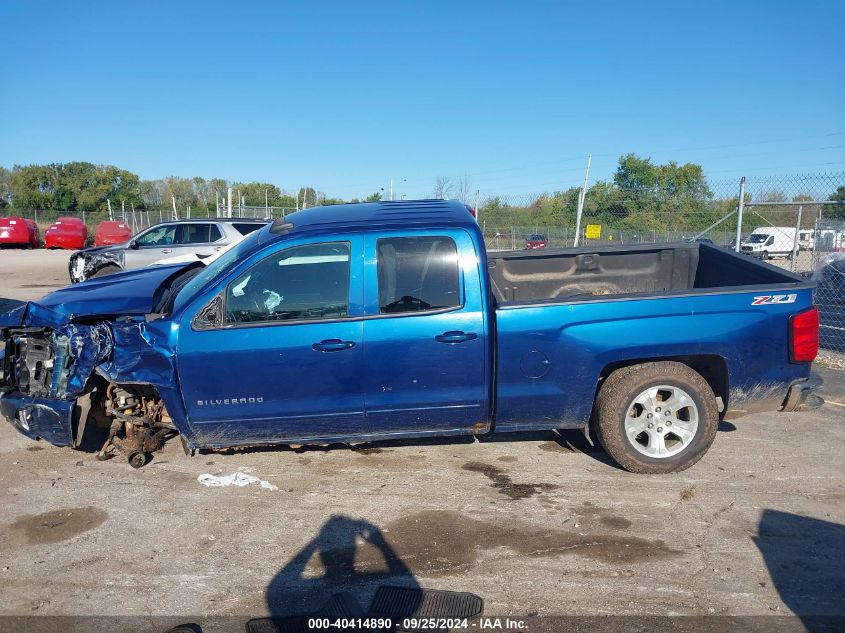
{"points": [[656, 417]]}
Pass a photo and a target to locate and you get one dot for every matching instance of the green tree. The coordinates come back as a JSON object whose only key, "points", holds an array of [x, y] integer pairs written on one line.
{"points": [[32, 186], [5, 191]]}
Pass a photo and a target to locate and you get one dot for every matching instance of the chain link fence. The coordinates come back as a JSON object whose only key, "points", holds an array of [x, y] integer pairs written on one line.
{"points": [[796, 222]]}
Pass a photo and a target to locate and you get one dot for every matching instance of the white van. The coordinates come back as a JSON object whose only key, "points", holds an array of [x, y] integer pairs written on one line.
{"points": [[770, 241]]}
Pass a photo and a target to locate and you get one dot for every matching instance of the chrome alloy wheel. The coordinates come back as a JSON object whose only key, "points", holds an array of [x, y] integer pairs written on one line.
{"points": [[661, 421]]}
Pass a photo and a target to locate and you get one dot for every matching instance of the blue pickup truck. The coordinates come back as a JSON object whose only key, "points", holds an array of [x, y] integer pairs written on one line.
{"points": [[365, 322]]}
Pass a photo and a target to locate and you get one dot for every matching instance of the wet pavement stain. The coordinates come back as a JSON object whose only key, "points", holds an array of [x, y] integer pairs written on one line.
{"points": [[369, 451], [509, 459], [32, 449], [503, 483], [57, 525], [615, 522], [590, 512], [553, 447], [443, 543]]}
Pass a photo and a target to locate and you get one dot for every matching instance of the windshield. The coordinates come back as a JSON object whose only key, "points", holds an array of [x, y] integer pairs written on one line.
{"points": [[756, 238], [214, 268]]}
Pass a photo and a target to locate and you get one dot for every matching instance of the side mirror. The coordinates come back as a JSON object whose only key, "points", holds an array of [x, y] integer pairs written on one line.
{"points": [[211, 315], [134, 245]]}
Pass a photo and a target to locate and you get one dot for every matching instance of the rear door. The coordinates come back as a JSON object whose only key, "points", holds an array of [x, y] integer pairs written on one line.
{"points": [[425, 335], [150, 246]]}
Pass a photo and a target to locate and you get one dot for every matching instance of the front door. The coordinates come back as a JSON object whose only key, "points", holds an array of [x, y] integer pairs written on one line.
{"points": [[425, 336], [287, 363]]}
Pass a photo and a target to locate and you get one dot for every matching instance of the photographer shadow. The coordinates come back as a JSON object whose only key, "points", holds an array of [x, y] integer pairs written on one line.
{"points": [[806, 558], [339, 570]]}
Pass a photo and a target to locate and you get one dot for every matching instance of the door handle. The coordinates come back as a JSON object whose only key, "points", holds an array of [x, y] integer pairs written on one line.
{"points": [[455, 337], [332, 345], [167, 250]]}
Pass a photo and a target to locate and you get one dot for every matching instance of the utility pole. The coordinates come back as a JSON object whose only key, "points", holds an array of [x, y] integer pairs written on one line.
{"points": [[111, 215], [581, 201], [229, 203], [391, 189], [266, 206], [175, 212], [477, 212], [739, 211], [795, 246]]}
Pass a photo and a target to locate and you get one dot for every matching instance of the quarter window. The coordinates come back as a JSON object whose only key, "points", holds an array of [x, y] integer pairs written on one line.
{"points": [[417, 274], [301, 283]]}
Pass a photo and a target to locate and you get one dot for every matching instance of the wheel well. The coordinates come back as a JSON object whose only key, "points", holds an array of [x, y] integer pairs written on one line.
{"points": [[714, 369]]}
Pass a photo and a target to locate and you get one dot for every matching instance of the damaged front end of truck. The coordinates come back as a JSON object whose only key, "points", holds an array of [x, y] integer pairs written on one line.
{"points": [[62, 371]]}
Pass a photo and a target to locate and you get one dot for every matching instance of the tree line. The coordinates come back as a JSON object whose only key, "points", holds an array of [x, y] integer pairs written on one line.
{"points": [[644, 196], [641, 195], [77, 187]]}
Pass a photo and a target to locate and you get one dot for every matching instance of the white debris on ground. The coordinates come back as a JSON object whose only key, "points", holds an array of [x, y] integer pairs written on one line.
{"points": [[235, 479]]}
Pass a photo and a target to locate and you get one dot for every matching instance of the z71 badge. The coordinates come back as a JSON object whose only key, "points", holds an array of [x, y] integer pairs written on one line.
{"points": [[768, 299]]}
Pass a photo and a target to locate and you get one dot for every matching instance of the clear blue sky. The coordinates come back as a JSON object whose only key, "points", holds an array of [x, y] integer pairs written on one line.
{"points": [[345, 95]]}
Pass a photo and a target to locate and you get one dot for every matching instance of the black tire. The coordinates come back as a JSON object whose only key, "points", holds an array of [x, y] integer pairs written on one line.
{"points": [[765, 255], [106, 270], [616, 397], [137, 460]]}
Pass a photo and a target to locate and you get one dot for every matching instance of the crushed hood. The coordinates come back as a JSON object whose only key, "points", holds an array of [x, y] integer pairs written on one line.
{"points": [[130, 293]]}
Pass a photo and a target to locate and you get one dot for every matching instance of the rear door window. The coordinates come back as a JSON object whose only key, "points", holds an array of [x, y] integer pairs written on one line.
{"points": [[198, 233], [417, 274]]}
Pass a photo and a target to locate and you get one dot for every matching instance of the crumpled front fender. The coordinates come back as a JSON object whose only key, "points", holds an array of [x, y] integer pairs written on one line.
{"points": [[125, 351]]}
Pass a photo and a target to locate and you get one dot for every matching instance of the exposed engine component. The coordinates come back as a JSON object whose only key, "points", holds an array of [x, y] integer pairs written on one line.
{"points": [[139, 423], [28, 362]]}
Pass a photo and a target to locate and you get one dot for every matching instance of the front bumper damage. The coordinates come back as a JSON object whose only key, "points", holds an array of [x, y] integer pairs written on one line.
{"points": [[84, 264], [48, 419], [47, 363]]}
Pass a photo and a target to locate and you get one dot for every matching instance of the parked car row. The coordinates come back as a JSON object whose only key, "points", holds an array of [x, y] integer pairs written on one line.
{"points": [[71, 233], [66, 232], [182, 240]]}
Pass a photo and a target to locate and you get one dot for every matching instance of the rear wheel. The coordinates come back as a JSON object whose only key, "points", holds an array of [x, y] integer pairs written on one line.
{"points": [[105, 270], [765, 255], [656, 417]]}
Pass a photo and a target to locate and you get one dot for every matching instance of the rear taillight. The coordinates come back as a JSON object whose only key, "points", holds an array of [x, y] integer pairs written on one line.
{"points": [[804, 336]]}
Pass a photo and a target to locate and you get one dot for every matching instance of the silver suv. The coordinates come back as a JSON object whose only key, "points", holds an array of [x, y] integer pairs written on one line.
{"points": [[201, 238]]}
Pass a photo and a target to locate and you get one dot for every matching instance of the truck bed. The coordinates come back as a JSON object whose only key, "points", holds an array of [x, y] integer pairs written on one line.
{"points": [[577, 274]]}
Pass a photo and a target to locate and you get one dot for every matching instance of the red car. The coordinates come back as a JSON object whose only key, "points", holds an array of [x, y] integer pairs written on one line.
{"points": [[536, 242], [69, 233], [19, 232], [109, 232]]}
